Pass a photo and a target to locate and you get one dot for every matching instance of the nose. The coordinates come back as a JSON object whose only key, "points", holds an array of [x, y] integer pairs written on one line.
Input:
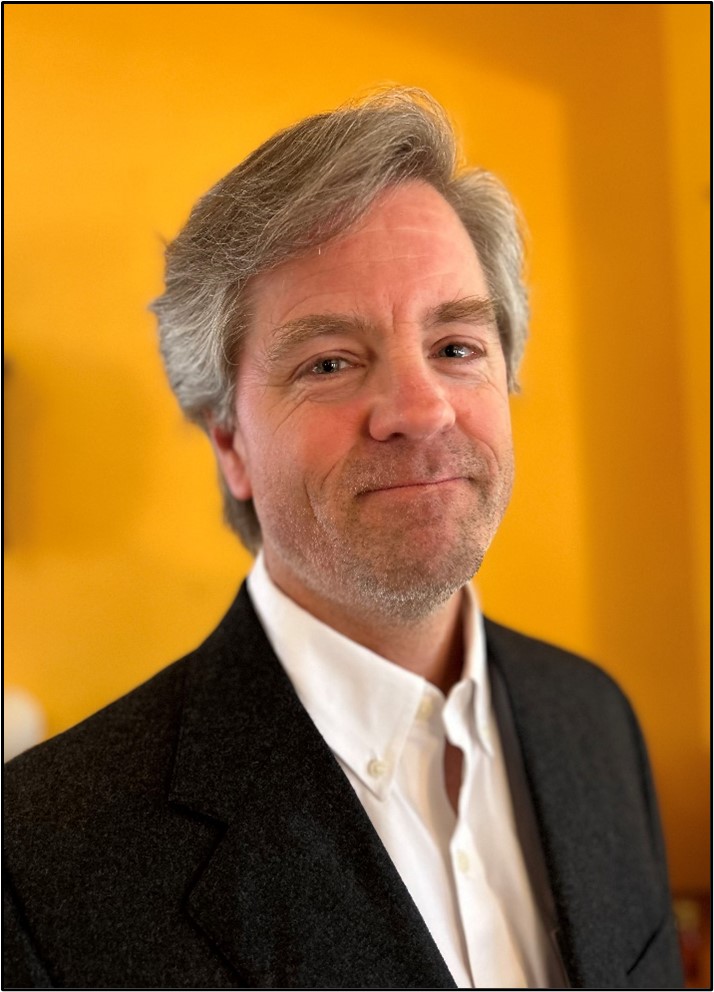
{"points": [[409, 401]]}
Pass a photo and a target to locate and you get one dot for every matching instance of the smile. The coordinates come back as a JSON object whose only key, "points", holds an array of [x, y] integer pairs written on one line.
{"points": [[415, 486]]}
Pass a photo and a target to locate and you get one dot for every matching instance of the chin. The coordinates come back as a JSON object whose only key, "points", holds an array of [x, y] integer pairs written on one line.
{"points": [[409, 587]]}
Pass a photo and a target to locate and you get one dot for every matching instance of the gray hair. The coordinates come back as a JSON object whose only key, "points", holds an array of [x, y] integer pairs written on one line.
{"points": [[300, 188]]}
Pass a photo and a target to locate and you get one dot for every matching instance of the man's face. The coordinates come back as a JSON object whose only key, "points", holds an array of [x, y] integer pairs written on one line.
{"points": [[373, 429]]}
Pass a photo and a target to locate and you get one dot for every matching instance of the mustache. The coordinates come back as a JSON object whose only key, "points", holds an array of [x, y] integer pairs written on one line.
{"points": [[386, 470]]}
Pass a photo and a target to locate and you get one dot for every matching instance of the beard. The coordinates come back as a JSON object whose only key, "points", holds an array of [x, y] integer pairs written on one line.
{"points": [[368, 540]]}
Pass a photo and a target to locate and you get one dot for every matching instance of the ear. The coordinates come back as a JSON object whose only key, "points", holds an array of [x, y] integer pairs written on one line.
{"points": [[230, 452]]}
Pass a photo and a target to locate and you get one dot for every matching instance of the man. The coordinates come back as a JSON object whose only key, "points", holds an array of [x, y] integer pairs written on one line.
{"points": [[356, 782]]}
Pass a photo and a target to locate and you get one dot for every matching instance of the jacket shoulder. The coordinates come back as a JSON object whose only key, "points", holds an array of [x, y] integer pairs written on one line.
{"points": [[129, 741], [97, 860], [120, 741]]}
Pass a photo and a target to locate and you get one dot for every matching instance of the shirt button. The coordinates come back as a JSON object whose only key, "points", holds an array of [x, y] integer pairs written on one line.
{"points": [[462, 860], [426, 708], [377, 768]]}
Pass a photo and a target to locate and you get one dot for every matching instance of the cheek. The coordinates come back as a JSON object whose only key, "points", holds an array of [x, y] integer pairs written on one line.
{"points": [[319, 444], [488, 421], [298, 450]]}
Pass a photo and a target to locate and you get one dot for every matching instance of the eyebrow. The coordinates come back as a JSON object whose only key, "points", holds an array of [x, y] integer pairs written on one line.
{"points": [[285, 337], [469, 310], [293, 333]]}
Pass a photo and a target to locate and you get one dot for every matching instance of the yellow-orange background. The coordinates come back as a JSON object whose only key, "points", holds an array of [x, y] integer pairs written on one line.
{"points": [[119, 115]]}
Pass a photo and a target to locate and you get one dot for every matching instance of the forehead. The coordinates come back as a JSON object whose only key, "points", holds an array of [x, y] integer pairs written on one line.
{"points": [[407, 251]]}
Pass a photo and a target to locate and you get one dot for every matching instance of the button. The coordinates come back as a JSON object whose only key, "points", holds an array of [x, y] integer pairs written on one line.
{"points": [[426, 708], [462, 860], [377, 768]]}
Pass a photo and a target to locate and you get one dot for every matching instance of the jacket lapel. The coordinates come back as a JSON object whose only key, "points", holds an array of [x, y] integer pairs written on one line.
{"points": [[593, 804], [299, 891]]}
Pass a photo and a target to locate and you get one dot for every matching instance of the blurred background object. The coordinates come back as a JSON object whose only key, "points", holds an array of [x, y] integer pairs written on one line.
{"points": [[24, 723], [694, 922], [596, 116]]}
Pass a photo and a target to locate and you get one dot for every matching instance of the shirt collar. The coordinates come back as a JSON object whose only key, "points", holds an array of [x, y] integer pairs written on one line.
{"points": [[364, 705]]}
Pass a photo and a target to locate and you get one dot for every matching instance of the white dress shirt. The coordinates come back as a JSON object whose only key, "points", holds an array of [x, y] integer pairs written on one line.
{"points": [[387, 728]]}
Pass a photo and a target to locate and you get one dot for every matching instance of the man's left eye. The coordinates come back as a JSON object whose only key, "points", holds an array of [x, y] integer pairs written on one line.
{"points": [[456, 350]]}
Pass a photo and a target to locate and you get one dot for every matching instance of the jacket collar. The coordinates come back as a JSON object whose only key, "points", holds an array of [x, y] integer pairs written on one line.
{"points": [[299, 891]]}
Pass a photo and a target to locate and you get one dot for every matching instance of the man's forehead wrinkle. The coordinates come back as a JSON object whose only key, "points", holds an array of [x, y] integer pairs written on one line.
{"points": [[381, 225]]}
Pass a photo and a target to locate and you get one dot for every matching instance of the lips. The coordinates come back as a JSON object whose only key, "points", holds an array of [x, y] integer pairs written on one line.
{"points": [[402, 467], [413, 484]]}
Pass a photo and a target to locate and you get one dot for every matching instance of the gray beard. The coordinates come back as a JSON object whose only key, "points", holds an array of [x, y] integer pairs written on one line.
{"points": [[383, 574], [410, 602], [382, 580]]}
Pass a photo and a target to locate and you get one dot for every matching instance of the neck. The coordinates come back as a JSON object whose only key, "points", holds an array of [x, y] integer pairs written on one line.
{"points": [[432, 646]]}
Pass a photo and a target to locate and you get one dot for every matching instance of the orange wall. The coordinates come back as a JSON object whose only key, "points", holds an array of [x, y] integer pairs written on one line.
{"points": [[119, 115]]}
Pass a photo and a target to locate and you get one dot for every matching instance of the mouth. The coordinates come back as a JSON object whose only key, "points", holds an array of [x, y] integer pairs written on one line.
{"points": [[414, 485]]}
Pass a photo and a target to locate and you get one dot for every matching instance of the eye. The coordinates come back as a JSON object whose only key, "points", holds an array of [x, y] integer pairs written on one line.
{"points": [[456, 349], [328, 366]]}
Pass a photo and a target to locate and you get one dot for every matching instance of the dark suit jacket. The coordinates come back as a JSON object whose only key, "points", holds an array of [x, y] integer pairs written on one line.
{"points": [[198, 833]]}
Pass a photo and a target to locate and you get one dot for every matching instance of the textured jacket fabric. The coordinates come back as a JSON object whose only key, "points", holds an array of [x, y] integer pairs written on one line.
{"points": [[198, 833]]}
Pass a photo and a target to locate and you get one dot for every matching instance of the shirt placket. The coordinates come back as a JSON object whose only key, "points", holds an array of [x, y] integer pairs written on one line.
{"points": [[493, 957]]}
